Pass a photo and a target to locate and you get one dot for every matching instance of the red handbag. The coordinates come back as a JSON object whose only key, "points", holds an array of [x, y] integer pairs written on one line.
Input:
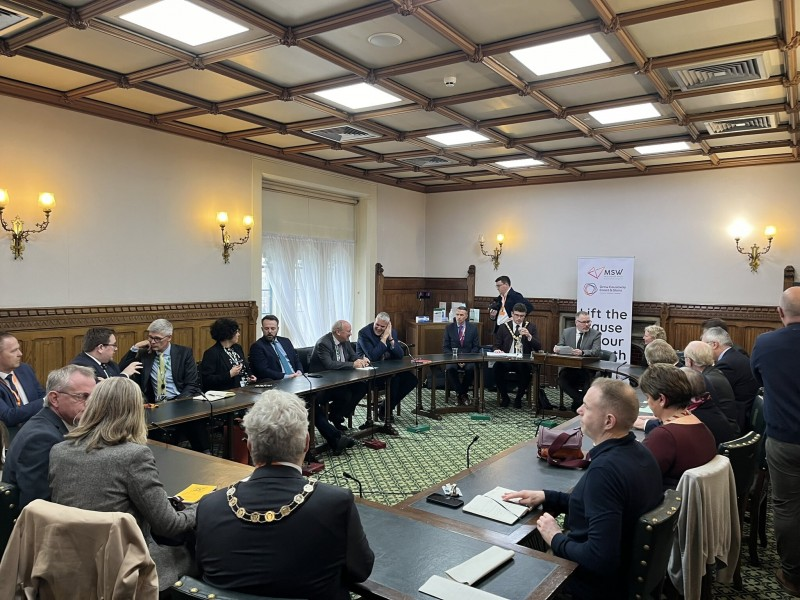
{"points": [[562, 448]]}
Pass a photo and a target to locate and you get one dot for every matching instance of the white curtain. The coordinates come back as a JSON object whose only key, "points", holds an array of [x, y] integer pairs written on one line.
{"points": [[312, 284]]}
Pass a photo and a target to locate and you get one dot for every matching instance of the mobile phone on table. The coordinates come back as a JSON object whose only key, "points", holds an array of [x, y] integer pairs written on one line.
{"points": [[449, 501]]}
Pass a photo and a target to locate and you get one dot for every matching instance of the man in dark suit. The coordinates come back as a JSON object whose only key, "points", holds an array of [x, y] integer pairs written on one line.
{"points": [[699, 356], [20, 392], [584, 341], [168, 372], [463, 335], [28, 458], [314, 547], [378, 341], [735, 366], [273, 356], [334, 352], [99, 347], [516, 336], [501, 307]]}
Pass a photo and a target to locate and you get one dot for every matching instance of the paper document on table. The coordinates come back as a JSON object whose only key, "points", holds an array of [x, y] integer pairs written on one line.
{"points": [[480, 566], [504, 355], [211, 396], [564, 349], [492, 506], [194, 492], [645, 410], [370, 368], [444, 589]]}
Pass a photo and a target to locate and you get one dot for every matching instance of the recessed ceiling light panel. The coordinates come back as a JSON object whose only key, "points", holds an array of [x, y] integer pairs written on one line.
{"points": [[457, 138], [519, 163], [565, 55], [635, 112], [360, 95], [184, 21], [662, 148]]}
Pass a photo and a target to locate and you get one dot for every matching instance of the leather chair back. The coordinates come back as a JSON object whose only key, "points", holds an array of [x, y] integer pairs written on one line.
{"points": [[9, 511], [652, 544], [189, 588], [305, 357]]}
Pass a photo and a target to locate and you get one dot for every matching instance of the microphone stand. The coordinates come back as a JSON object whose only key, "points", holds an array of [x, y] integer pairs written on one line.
{"points": [[469, 447]]}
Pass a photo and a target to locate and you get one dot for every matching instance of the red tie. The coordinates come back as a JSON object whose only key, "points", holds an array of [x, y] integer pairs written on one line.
{"points": [[461, 334]]}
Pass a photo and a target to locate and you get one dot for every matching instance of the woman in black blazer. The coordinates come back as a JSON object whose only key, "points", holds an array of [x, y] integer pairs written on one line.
{"points": [[223, 366]]}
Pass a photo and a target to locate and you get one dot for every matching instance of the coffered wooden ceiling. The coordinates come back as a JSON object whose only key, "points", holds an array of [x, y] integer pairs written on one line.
{"points": [[255, 91]]}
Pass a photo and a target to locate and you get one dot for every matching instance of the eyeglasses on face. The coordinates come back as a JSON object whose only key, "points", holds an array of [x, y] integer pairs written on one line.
{"points": [[157, 339], [583, 322], [82, 396]]}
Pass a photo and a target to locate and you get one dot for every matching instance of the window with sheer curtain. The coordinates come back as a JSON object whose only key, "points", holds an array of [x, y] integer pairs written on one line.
{"points": [[310, 282], [308, 259]]}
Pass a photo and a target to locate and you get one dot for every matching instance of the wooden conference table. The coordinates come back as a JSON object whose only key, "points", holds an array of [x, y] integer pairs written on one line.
{"points": [[410, 545], [175, 412]]}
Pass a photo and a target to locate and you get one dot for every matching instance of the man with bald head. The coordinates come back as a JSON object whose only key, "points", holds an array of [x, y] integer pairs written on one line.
{"points": [[776, 366]]}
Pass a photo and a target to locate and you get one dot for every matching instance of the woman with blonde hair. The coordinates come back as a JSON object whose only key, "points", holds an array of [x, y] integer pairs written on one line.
{"points": [[105, 465]]}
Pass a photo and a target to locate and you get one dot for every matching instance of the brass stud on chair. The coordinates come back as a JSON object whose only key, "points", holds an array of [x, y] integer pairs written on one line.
{"points": [[194, 590], [178, 584], [212, 596]]}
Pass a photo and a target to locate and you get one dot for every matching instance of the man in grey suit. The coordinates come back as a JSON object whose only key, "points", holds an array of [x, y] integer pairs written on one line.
{"points": [[333, 352], [584, 341], [28, 458]]}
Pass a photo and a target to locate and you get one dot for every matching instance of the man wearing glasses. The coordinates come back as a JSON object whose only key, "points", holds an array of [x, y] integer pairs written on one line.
{"points": [[99, 347], [168, 372], [28, 458], [584, 341]]}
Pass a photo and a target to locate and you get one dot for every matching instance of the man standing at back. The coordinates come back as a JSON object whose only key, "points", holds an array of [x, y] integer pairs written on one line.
{"points": [[501, 307], [776, 366], [622, 482], [462, 335], [20, 392], [99, 347], [28, 458], [273, 356]]}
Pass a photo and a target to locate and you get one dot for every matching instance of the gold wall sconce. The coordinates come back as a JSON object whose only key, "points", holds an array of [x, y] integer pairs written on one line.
{"points": [[755, 253], [19, 235], [227, 244], [495, 255]]}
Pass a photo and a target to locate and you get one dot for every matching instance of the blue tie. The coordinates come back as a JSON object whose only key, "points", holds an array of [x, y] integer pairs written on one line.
{"points": [[287, 368]]}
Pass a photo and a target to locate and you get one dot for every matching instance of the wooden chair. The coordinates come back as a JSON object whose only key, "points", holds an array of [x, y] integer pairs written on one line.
{"points": [[195, 589], [743, 454], [652, 544]]}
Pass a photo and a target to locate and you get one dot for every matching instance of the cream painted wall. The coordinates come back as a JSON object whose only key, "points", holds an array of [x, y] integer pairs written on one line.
{"points": [[401, 232], [675, 226], [135, 211]]}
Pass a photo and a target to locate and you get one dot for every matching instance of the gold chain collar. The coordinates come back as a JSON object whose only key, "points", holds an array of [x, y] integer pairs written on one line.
{"points": [[511, 329], [268, 516]]}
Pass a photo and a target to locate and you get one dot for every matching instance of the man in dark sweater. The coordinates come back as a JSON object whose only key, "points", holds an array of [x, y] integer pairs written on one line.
{"points": [[776, 366], [622, 482]]}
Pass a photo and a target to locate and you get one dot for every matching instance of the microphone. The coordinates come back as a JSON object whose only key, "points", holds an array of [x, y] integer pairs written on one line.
{"points": [[408, 349], [619, 375], [360, 487], [469, 447]]}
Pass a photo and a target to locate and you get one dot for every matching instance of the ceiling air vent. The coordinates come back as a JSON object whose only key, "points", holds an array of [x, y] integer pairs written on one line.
{"points": [[430, 161], [760, 122], [15, 16], [343, 133], [710, 74]]}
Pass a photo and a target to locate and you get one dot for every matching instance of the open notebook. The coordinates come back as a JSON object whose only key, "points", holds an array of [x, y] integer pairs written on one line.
{"points": [[492, 506]]}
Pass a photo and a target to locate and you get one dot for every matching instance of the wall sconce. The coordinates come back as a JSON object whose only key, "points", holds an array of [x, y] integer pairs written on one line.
{"points": [[754, 254], [19, 235], [495, 256], [227, 244]]}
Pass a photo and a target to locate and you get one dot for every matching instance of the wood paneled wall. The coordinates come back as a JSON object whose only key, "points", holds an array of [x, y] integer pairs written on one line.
{"points": [[398, 295], [51, 337]]}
